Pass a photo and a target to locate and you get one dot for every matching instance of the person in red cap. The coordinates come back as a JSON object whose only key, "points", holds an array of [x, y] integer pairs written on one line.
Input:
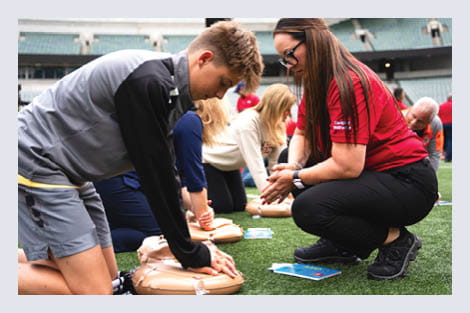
{"points": [[246, 100]]}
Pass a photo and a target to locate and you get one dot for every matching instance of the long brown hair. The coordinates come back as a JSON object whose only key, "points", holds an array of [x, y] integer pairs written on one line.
{"points": [[326, 59]]}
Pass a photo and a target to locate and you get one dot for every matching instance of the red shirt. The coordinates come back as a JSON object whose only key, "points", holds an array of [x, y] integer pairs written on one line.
{"points": [[247, 102], [445, 112], [401, 105], [290, 127], [390, 143]]}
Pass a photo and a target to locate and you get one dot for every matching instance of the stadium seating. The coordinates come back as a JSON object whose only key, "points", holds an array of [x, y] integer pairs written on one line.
{"points": [[344, 32], [48, 43], [388, 34], [391, 33], [176, 43], [435, 87], [265, 42], [103, 44]]}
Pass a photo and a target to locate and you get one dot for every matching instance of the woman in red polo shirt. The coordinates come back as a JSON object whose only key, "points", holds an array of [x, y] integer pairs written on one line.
{"points": [[360, 174]]}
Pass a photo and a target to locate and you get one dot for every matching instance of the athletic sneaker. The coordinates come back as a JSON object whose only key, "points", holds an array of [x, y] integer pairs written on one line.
{"points": [[123, 284], [393, 259], [324, 252]]}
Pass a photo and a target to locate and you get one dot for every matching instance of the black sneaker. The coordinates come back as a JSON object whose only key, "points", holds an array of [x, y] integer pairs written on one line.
{"points": [[324, 252], [123, 284], [393, 259]]}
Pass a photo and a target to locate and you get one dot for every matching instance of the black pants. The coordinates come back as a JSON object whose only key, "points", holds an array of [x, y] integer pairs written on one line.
{"points": [[357, 213], [225, 189], [448, 141]]}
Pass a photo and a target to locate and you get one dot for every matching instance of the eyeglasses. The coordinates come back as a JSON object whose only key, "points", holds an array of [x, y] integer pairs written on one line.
{"points": [[290, 58]]}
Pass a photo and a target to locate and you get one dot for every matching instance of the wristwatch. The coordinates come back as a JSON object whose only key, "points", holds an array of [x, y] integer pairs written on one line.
{"points": [[297, 181]]}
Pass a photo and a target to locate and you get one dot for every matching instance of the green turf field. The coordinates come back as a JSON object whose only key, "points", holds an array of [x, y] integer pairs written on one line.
{"points": [[430, 274]]}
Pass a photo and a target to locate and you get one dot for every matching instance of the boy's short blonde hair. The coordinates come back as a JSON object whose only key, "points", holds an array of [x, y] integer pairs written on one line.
{"points": [[235, 47]]}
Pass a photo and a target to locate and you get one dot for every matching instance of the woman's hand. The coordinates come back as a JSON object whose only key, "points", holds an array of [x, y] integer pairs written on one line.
{"points": [[201, 209], [221, 262], [285, 166], [206, 219], [280, 184]]}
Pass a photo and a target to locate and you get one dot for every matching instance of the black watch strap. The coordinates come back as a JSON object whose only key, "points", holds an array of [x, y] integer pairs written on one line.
{"points": [[297, 181]]}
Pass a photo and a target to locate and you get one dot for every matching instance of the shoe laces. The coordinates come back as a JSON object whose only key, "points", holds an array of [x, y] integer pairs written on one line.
{"points": [[388, 255], [126, 281], [322, 242]]}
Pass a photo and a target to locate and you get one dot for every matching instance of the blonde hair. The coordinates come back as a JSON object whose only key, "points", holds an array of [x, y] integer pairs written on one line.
{"points": [[276, 100], [214, 119], [235, 47]]}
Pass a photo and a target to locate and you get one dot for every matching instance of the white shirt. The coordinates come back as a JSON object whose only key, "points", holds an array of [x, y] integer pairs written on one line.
{"points": [[244, 144]]}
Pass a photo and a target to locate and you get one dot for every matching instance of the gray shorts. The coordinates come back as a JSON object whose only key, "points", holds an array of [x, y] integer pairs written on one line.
{"points": [[65, 220]]}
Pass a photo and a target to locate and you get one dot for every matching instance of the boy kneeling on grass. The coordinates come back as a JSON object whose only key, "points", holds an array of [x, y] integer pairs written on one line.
{"points": [[107, 117]]}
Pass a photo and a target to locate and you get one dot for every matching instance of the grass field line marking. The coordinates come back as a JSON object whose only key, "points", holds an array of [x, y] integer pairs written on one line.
{"points": [[252, 196]]}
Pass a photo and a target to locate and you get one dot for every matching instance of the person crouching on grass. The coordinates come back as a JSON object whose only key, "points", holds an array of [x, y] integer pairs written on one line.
{"points": [[360, 174]]}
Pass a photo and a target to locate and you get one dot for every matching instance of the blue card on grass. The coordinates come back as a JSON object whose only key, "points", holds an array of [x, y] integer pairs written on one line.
{"points": [[258, 233], [305, 271]]}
